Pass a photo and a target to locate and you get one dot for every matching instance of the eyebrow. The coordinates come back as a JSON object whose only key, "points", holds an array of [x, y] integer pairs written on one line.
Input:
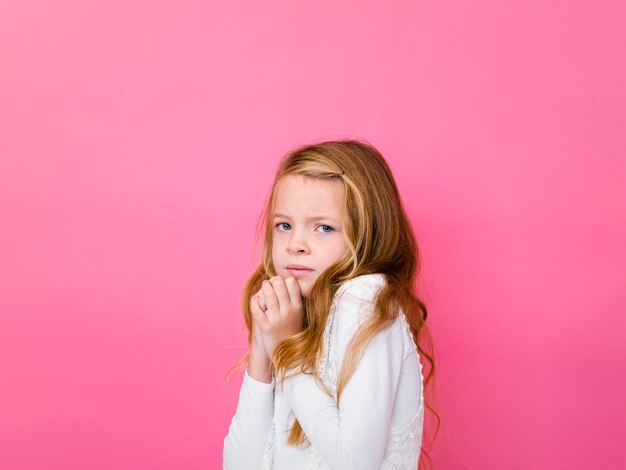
{"points": [[308, 219]]}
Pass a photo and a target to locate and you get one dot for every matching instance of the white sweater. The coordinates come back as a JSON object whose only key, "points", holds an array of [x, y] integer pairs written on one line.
{"points": [[380, 419]]}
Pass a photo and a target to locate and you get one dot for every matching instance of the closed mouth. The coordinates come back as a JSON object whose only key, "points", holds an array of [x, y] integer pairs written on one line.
{"points": [[298, 268]]}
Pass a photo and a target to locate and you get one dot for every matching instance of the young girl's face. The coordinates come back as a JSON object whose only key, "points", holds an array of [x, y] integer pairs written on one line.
{"points": [[308, 224]]}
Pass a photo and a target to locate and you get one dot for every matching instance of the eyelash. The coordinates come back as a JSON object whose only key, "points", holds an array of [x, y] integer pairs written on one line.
{"points": [[285, 223]]}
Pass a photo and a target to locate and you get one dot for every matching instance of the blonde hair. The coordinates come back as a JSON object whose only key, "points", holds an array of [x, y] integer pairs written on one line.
{"points": [[380, 239]]}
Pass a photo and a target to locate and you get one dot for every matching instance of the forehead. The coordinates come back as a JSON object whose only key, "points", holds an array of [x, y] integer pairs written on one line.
{"points": [[309, 196]]}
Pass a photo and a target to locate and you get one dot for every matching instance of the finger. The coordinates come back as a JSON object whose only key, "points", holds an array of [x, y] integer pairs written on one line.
{"points": [[259, 293], [273, 307], [261, 299], [262, 302], [258, 315], [280, 288], [293, 288], [255, 306]]}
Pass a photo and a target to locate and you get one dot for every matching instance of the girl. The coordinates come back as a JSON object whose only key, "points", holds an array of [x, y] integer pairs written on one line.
{"points": [[333, 378]]}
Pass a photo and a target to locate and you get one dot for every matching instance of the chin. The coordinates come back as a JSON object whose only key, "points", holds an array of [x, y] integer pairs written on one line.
{"points": [[305, 288], [305, 284]]}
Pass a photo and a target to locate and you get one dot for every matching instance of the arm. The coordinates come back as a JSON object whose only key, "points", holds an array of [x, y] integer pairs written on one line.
{"points": [[250, 427], [352, 436]]}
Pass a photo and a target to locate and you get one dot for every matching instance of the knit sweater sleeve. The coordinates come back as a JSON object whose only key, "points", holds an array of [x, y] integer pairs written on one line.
{"points": [[251, 425], [352, 435]]}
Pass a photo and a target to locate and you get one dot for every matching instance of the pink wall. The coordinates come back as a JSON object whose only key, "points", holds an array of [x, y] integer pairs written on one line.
{"points": [[138, 139]]}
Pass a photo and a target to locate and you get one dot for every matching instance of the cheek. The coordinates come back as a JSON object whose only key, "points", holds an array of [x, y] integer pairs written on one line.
{"points": [[340, 250], [332, 255]]}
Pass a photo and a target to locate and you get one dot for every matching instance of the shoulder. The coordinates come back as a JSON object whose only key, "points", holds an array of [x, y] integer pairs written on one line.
{"points": [[354, 305], [365, 286], [358, 295]]}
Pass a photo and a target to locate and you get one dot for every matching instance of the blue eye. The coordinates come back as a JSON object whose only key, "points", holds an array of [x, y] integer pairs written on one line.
{"points": [[325, 228]]}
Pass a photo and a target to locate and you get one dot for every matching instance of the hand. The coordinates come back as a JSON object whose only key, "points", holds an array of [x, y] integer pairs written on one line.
{"points": [[259, 364], [283, 316], [257, 346]]}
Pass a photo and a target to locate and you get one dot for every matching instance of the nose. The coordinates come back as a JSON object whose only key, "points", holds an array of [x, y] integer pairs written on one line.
{"points": [[297, 244]]}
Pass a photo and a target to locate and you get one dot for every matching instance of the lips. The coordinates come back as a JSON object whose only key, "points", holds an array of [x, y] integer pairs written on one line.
{"points": [[299, 267], [299, 270]]}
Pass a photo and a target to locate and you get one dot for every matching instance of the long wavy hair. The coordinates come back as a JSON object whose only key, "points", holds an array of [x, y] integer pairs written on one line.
{"points": [[380, 239]]}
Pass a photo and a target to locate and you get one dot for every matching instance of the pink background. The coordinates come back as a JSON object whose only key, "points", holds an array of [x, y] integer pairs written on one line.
{"points": [[138, 141]]}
